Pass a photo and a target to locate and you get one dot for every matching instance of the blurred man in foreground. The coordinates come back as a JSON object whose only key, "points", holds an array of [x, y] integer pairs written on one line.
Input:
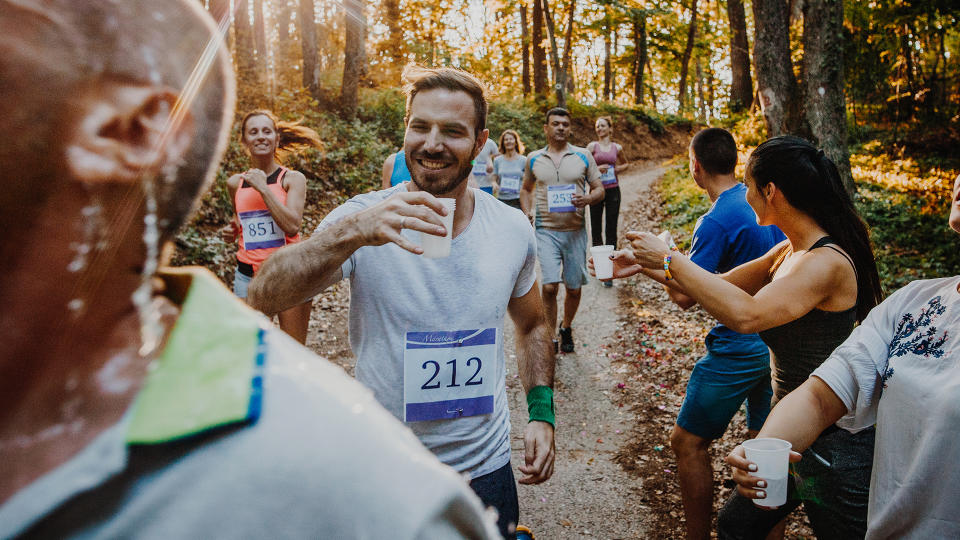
{"points": [[138, 403]]}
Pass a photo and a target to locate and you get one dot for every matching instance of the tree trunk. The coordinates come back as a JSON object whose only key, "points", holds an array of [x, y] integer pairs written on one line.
{"points": [[525, 49], [687, 52], [283, 24], [308, 47], [613, 71], [639, 54], [247, 84], [823, 84], [741, 88], [568, 46], [352, 57], [538, 53], [653, 91], [701, 99], [559, 81], [776, 84], [606, 55], [392, 47], [260, 40]]}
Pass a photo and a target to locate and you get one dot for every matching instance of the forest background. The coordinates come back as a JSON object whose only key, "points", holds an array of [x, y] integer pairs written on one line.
{"points": [[876, 84]]}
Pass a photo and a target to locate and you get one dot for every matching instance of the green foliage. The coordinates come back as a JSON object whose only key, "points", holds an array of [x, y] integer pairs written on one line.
{"points": [[522, 116], [904, 202], [683, 201], [911, 240]]}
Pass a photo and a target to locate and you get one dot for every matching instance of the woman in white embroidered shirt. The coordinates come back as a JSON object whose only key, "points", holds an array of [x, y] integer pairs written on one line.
{"points": [[900, 370]]}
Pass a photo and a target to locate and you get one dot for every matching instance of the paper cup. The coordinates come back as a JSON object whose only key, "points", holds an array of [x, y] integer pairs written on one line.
{"points": [[438, 247], [666, 237], [601, 261], [772, 458]]}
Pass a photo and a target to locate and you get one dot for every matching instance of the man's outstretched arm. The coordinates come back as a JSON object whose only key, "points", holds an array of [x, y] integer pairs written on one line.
{"points": [[307, 268]]}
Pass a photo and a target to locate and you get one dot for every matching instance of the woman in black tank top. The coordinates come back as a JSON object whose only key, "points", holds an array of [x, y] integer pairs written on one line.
{"points": [[803, 298]]}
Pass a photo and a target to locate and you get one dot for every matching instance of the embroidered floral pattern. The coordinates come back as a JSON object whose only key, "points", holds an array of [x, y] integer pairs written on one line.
{"points": [[919, 336]]}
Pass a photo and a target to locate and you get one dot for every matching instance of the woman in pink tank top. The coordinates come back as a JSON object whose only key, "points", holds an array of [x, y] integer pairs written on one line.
{"points": [[609, 157], [268, 204]]}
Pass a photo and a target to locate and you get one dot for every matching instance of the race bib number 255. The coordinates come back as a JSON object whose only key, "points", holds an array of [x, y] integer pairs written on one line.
{"points": [[449, 374]]}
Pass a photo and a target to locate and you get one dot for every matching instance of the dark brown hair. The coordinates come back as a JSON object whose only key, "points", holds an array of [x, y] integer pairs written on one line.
{"points": [[418, 79], [811, 183]]}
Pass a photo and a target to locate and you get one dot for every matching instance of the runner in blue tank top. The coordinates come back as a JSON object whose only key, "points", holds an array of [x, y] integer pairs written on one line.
{"points": [[395, 170]]}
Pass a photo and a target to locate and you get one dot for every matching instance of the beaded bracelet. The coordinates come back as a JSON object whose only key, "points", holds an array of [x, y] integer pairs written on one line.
{"points": [[666, 266]]}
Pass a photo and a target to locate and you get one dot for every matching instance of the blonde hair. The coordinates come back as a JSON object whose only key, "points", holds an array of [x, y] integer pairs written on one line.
{"points": [[291, 136]]}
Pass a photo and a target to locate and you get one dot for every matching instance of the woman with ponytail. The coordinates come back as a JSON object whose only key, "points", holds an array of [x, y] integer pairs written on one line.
{"points": [[268, 204], [803, 298]]}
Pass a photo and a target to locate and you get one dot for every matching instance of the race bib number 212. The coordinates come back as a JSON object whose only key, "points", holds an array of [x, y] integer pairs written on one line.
{"points": [[449, 374]]}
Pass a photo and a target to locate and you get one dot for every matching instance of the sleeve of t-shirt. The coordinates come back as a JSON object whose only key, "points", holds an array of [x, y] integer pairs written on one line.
{"points": [[528, 272], [854, 370], [496, 165], [708, 245], [593, 172], [352, 206]]}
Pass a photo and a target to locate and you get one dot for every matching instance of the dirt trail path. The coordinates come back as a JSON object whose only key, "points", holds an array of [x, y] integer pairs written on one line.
{"points": [[590, 495]]}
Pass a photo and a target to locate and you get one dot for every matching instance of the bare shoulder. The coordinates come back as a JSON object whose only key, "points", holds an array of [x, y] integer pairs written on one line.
{"points": [[294, 176]]}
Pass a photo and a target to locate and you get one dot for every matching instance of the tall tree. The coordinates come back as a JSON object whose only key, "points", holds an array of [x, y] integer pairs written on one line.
{"points": [[525, 48], [639, 19], [568, 46], [776, 84], [607, 91], [308, 46], [559, 79], [260, 40], [537, 51], [825, 103], [741, 87], [248, 86], [354, 22], [687, 52]]}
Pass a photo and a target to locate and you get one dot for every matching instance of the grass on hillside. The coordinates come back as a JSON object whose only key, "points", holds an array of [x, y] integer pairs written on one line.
{"points": [[905, 202]]}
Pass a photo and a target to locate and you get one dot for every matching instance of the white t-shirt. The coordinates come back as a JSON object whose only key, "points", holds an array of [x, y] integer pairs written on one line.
{"points": [[900, 369], [394, 293], [480, 164], [510, 173]]}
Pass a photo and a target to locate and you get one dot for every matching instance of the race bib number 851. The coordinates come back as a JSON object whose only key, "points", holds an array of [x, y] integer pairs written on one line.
{"points": [[449, 374], [260, 231]]}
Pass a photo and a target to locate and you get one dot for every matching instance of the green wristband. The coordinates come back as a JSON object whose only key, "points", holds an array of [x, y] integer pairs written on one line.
{"points": [[540, 405]]}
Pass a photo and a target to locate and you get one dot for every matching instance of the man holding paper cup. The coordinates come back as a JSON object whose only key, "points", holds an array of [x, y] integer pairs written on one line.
{"points": [[428, 332], [558, 182]]}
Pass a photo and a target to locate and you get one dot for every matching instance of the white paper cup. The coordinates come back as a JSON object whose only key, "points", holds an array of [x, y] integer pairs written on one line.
{"points": [[772, 457], [438, 247], [601, 261], [666, 237]]}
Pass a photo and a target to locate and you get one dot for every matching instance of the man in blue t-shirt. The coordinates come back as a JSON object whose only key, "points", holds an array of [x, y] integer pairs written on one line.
{"points": [[736, 367]]}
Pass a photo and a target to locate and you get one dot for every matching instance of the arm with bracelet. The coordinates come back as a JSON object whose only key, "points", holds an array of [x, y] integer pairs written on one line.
{"points": [[536, 362]]}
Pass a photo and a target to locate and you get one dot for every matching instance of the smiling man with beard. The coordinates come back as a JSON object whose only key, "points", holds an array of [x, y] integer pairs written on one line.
{"points": [[428, 333]]}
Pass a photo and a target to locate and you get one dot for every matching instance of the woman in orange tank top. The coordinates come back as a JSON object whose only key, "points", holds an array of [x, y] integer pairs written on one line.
{"points": [[268, 204]]}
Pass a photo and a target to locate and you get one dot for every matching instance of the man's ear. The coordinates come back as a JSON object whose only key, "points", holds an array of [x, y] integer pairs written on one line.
{"points": [[481, 141], [120, 132]]}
